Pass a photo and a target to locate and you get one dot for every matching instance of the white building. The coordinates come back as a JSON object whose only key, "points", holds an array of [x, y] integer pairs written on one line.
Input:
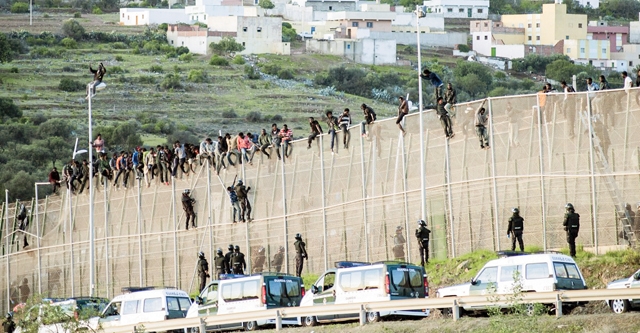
{"points": [[146, 16], [364, 51], [203, 9], [195, 38], [257, 34], [476, 9]]}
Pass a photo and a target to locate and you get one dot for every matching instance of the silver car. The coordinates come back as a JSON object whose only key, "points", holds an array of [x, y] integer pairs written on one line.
{"points": [[624, 305]]}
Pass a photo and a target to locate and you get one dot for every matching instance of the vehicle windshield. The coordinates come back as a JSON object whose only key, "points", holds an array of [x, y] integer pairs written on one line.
{"points": [[406, 281]]}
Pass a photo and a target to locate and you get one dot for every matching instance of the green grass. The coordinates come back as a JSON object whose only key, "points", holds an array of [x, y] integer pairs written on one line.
{"points": [[447, 272], [153, 140]]}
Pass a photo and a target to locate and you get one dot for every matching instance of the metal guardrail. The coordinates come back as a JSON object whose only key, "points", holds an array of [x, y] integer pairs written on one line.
{"points": [[555, 297]]}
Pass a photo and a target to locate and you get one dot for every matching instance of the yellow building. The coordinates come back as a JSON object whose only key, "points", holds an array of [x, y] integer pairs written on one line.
{"points": [[553, 25], [587, 49]]}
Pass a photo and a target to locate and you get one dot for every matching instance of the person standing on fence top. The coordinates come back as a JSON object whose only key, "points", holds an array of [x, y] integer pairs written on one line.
{"points": [[315, 131], [450, 98], [54, 180], [221, 264], [203, 270], [515, 229], [435, 81], [422, 235], [482, 120], [24, 224], [572, 227], [345, 120], [403, 110], [301, 253], [332, 123], [445, 120]]}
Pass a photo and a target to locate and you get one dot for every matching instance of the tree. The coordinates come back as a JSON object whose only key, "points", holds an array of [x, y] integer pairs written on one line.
{"points": [[266, 4], [288, 33], [72, 28], [226, 45], [6, 53], [561, 70], [8, 109], [472, 84]]}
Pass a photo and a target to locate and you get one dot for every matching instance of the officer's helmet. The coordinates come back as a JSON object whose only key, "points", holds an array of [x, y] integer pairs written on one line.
{"points": [[186, 191], [568, 206], [515, 210], [261, 249], [219, 251], [9, 316], [422, 222], [281, 249], [239, 181], [200, 254], [399, 228], [298, 236], [237, 248], [230, 247]]}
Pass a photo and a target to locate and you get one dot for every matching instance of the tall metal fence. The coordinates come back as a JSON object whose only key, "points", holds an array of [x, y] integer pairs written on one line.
{"points": [[546, 150]]}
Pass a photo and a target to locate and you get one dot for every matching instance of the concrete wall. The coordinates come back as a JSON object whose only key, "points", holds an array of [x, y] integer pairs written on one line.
{"points": [[146, 16], [332, 6], [634, 32], [478, 9], [407, 22], [196, 44], [364, 51], [438, 39]]}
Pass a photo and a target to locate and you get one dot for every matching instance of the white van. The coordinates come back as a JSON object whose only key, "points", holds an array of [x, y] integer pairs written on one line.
{"points": [[537, 273], [239, 293], [144, 305], [355, 282]]}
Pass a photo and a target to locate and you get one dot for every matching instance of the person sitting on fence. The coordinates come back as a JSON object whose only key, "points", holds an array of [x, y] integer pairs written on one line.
{"points": [[97, 79]]}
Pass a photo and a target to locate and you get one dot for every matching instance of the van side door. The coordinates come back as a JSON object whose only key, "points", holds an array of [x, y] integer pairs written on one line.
{"points": [[510, 277], [326, 293], [129, 313], [209, 304], [485, 281]]}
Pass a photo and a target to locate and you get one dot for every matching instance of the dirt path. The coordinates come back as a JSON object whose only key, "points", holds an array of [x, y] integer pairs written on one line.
{"points": [[53, 23]]}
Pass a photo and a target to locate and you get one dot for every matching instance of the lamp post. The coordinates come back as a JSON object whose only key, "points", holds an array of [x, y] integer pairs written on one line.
{"points": [[423, 195], [92, 247], [38, 236], [7, 246]]}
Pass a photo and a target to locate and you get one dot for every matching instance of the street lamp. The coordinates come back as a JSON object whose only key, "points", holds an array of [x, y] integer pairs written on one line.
{"points": [[92, 247]]}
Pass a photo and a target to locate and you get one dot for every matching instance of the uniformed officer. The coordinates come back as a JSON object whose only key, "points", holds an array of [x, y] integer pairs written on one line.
{"points": [[187, 206], [398, 244], [227, 258], [8, 325], [238, 264], [203, 270], [515, 229], [301, 253], [571, 226], [278, 258], [258, 265], [422, 235], [243, 192], [221, 263]]}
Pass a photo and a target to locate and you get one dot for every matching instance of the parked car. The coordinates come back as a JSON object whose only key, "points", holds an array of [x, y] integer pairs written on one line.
{"points": [[624, 305], [239, 293], [352, 282], [538, 272], [143, 305], [65, 315]]}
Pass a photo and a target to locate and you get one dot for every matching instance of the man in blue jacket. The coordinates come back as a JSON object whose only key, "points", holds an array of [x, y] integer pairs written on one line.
{"points": [[435, 81]]}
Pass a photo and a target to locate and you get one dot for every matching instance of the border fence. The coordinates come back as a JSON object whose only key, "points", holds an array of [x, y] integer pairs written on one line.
{"points": [[546, 150]]}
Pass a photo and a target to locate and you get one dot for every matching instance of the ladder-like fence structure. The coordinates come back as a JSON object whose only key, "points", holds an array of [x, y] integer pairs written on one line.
{"points": [[546, 150]]}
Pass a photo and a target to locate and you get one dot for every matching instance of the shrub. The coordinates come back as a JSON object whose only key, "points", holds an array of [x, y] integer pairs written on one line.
{"points": [[69, 43], [186, 57], [266, 4], [463, 47], [20, 7], [119, 46], [286, 25], [163, 27], [251, 72], [14, 70], [229, 114], [45, 15], [238, 60], [47, 52], [77, 15], [226, 46], [69, 69], [277, 117], [171, 81], [96, 10], [119, 58], [218, 61], [271, 69], [156, 69], [72, 28], [146, 79], [180, 50], [197, 76], [116, 70], [70, 85], [253, 117], [286, 74]]}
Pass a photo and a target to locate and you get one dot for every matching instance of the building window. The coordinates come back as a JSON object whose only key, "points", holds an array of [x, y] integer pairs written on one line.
{"points": [[630, 63], [582, 50], [477, 23], [183, 43], [566, 37], [529, 25], [486, 24], [242, 43], [128, 18], [244, 29], [449, 10], [354, 24], [205, 17], [537, 25], [486, 37], [461, 10], [479, 11], [478, 38], [369, 24], [579, 25], [171, 42], [259, 29], [568, 50], [537, 37], [330, 7], [528, 37], [604, 50]]}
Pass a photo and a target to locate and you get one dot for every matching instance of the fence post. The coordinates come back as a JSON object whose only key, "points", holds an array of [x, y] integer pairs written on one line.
{"points": [[175, 231], [592, 166], [542, 194], [455, 310], [203, 326], [493, 176], [558, 306], [278, 321], [364, 199], [363, 315], [324, 205], [284, 212]]}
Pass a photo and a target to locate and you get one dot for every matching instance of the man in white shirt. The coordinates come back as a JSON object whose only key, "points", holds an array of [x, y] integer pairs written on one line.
{"points": [[627, 81]]}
